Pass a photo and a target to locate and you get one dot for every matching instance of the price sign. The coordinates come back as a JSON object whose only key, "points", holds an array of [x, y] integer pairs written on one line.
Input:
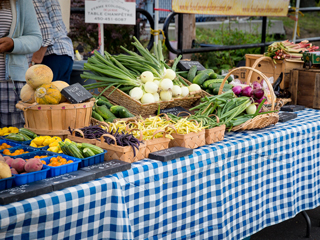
{"points": [[175, 111], [233, 7], [76, 93], [186, 65], [170, 153], [110, 11]]}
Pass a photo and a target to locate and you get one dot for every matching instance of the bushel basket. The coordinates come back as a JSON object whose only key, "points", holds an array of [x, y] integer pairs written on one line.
{"points": [[260, 121]]}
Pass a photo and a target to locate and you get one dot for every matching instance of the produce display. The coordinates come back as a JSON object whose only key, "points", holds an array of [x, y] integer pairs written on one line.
{"points": [[289, 50], [19, 135], [57, 161], [51, 142], [15, 153], [40, 88], [79, 150], [21, 166], [4, 146], [104, 111], [7, 130], [145, 77]]}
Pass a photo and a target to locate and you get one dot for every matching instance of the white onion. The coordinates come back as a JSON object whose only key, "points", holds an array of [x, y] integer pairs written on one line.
{"points": [[166, 84], [136, 93], [156, 97], [146, 76], [184, 91], [176, 91], [147, 98], [194, 87], [151, 87], [157, 82], [165, 95], [170, 74]]}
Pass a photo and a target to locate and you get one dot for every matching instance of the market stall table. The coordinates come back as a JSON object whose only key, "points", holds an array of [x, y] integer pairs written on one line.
{"points": [[227, 190]]}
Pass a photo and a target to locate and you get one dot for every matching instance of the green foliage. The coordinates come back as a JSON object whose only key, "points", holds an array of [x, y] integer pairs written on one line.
{"points": [[219, 60]]}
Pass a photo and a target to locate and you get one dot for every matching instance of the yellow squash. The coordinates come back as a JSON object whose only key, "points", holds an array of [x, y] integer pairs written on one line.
{"points": [[47, 94]]}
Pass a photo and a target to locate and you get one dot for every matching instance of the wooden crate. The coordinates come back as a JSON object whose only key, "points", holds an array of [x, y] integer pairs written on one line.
{"points": [[305, 87], [266, 68]]}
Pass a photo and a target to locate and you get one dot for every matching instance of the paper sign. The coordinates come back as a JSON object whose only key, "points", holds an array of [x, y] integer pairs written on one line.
{"points": [[233, 7], [110, 11]]}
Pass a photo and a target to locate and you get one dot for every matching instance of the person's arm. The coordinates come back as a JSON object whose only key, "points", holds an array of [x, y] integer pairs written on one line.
{"points": [[46, 28], [31, 39]]}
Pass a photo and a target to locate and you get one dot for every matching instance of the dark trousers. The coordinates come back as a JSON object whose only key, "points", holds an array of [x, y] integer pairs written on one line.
{"points": [[61, 66]]}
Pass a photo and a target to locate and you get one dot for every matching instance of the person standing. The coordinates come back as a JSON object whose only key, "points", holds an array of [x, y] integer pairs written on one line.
{"points": [[19, 36], [57, 50]]}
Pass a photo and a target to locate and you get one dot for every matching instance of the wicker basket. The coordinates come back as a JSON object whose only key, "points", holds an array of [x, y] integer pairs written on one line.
{"points": [[215, 134], [54, 120], [137, 108], [74, 138], [157, 144], [260, 121], [125, 154]]}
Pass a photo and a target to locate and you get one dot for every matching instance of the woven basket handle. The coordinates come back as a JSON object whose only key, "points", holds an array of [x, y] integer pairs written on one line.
{"points": [[255, 64], [79, 131], [218, 120], [184, 112], [192, 120], [273, 97], [170, 126], [166, 116], [133, 123], [136, 129], [159, 131], [20, 106], [130, 120], [110, 136]]}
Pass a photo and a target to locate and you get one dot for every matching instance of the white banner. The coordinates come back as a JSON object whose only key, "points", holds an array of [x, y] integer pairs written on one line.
{"points": [[110, 11]]}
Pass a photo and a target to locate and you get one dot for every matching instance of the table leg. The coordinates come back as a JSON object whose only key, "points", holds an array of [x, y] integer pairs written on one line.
{"points": [[306, 216]]}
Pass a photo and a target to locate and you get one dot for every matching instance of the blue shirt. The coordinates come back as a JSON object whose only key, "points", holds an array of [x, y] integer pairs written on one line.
{"points": [[54, 32]]}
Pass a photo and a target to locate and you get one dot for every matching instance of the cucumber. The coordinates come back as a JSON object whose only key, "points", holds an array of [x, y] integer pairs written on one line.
{"points": [[209, 91], [215, 91], [101, 102], [75, 151], [93, 148], [200, 78], [207, 71], [229, 79], [220, 76], [15, 137], [104, 112], [217, 86], [97, 116], [26, 137], [103, 98], [184, 74], [192, 73], [28, 133], [208, 82], [121, 112], [87, 152], [213, 75]]}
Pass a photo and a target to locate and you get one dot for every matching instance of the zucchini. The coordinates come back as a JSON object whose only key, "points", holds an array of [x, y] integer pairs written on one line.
{"points": [[93, 148], [28, 133], [208, 82], [97, 116], [87, 152], [192, 73], [15, 137], [26, 137], [104, 112], [101, 102], [213, 75], [72, 148], [207, 71], [200, 78], [121, 112]]}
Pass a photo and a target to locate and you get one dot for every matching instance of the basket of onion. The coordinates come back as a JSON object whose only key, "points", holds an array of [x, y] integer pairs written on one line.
{"points": [[257, 95]]}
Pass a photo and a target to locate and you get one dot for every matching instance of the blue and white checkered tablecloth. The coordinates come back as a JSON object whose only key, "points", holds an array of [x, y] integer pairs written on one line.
{"points": [[227, 190]]}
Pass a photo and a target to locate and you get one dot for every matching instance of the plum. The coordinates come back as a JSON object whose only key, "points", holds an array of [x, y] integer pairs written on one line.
{"points": [[18, 164], [33, 165]]}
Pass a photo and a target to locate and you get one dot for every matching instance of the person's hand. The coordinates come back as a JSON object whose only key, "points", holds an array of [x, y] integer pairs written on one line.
{"points": [[6, 44], [37, 57]]}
